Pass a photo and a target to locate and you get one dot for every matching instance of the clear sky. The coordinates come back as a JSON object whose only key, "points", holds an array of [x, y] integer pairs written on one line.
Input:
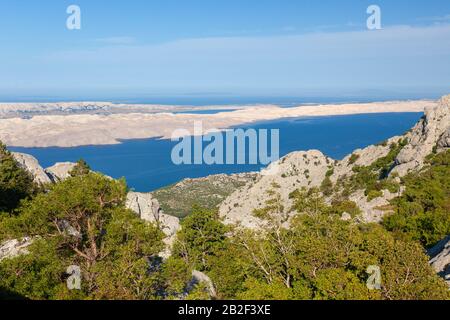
{"points": [[223, 47]]}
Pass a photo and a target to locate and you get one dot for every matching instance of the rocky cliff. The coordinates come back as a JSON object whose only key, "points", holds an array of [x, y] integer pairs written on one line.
{"points": [[148, 209], [440, 259], [432, 132], [55, 173], [309, 169]]}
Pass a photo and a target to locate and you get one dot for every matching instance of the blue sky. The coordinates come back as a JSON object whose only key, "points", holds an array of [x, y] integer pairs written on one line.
{"points": [[129, 49]]}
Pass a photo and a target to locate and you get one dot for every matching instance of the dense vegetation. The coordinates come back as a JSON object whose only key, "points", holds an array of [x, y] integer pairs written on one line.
{"points": [[83, 222], [15, 183], [374, 177], [209, 192], [318, 257], [423, 211]]}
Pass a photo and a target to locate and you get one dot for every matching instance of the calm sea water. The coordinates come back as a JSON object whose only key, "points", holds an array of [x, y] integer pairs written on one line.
{"points": [[147, 165]]}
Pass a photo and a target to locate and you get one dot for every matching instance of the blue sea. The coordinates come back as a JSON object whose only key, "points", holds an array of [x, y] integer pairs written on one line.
{"points": [[147, 166]]}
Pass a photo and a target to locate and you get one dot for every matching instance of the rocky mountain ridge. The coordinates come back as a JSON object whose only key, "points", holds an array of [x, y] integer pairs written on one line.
{"points": [[310, 169]]}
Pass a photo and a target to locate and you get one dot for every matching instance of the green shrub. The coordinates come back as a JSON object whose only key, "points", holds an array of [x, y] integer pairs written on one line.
{"points": [[422, 212], [373, 194], [353, 158], [327, 187], [16, 183]]}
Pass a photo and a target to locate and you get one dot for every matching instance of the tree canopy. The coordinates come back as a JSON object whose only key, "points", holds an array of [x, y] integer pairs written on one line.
{"points": [[15, 182], [423, 211], [82, 221]]}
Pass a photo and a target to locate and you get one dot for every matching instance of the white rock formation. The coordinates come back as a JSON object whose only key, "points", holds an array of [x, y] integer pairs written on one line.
{"points": [[13, 248], [425, 136], [346, 216], [296, 170], [144, 205], [60, 171], [198, 278], [440, 259], [55, 173], [308, 169], [444, 141], [365, 156], [149, 210], [31, 164], [373, 211]]}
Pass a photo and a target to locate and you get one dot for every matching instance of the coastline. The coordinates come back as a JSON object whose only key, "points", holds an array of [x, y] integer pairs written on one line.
{"points": [[108, 129]]}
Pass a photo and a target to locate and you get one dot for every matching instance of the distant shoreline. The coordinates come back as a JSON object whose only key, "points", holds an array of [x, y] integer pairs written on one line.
{"points": [[88, 127]]}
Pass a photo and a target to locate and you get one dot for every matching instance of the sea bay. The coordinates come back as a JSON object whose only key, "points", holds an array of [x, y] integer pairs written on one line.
{"points": [[146, 164]]}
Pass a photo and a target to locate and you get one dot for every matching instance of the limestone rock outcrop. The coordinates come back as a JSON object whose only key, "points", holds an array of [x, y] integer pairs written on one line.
{"points": [[13, 248], [440, 259], [31, 164], [201, 278], [144, 205], [444, 141], [308, 169], [60, 171], [296, 170], [372, 210], [149, 210], [431, 131], [53, 174], [363, 157]]}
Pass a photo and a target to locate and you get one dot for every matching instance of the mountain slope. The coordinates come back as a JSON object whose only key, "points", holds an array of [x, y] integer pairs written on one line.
{"points": [[369, 177]]}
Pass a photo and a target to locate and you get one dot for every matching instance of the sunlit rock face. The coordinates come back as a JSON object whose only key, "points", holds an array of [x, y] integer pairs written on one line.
{"points": [[148, 209], [440, 259]]}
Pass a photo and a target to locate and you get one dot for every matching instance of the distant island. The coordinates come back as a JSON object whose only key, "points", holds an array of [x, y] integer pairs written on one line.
{"points": [[102, 123]]}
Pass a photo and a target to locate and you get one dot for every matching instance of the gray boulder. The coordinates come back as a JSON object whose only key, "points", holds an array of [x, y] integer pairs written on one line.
{"points": [[60, 171], [144, 205], [148, 209], [424, 137], [440, 259], [31, 164], [201, 278], [14, 248], [346, 216], [444, 141]]}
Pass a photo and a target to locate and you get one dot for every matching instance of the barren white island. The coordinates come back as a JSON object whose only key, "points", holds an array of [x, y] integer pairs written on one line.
{"points": [[80, 124]]}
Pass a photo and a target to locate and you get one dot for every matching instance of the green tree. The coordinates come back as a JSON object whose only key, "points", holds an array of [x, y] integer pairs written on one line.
{"points": [[16, 183], [202, 236], [319, 256], [422, 212], [81, 168], [82, 221]]}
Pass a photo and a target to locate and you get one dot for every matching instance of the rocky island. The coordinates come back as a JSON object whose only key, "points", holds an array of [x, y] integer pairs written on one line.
{"points": [[81, 124]]}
